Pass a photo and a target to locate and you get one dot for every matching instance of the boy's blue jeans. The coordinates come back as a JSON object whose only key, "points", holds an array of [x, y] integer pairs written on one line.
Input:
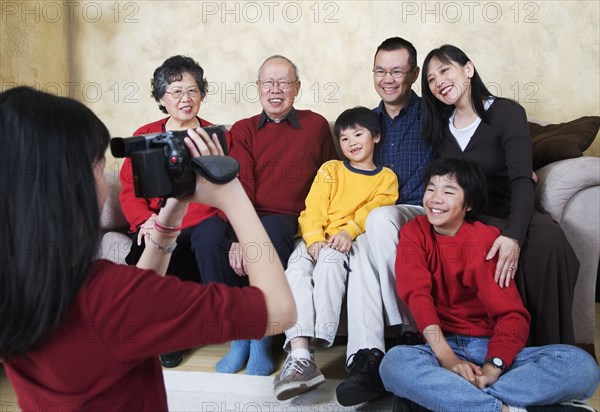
{"points": [[538, 376]]}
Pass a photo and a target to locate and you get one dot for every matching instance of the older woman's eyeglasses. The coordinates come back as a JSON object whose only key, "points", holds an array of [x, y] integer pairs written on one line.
{"points": [[269, 84], [396, 73], [178, 93]]}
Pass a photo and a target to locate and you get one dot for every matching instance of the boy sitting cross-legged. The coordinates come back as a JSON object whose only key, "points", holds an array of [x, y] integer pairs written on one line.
{"points": [[474, 358], [342, 195]]}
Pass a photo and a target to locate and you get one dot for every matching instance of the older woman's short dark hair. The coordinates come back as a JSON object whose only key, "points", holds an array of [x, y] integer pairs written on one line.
{"points": [[171, 71]]}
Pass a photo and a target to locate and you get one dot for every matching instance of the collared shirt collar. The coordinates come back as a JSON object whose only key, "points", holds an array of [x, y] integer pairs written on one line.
{"points": [[291, 117], [406, 108]]}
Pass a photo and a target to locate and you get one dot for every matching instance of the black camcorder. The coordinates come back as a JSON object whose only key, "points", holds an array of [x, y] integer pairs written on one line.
{"points": [[162, 166]]}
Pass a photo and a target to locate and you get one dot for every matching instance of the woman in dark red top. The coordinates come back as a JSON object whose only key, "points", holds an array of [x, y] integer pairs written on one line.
{"points": [[463, 120], [85, 334]]}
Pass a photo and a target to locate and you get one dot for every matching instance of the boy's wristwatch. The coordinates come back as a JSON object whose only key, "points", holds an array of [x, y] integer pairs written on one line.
{"points": [[497, 362]]}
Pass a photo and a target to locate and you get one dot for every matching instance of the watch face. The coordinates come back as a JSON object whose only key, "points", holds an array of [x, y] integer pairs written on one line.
{"points": [[497, 362]]}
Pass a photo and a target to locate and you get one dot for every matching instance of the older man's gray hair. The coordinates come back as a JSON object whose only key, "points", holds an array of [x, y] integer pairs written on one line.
{"points": [[278, 56]]}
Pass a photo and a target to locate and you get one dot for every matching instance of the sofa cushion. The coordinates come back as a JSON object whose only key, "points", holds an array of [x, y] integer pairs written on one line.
{"points": [[554, 142], [561, 181]]}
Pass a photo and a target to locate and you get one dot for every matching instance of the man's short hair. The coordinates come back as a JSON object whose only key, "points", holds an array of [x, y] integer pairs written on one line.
{"points": [[398, 43], [469, 177], [357, 116], [278, 56]]}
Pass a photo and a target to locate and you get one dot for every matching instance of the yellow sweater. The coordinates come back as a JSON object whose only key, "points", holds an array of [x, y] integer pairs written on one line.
{"points": [[341, 197]]}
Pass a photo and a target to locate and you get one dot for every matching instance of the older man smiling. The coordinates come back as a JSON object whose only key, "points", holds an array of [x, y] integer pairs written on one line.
{"points": [[279, 151]]}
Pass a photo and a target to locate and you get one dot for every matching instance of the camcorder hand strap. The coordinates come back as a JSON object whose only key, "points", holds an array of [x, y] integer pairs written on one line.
{"points": [[216, 169]]}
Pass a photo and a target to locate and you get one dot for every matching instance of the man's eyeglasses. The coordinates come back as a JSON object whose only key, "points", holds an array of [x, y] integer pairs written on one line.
{"points": [[178, 93], [269, 84], [396, 73]]}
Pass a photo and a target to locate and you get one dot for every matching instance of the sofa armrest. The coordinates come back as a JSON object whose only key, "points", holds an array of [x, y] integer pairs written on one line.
{"points": [[570, 191], [560, 181], [111, 216], [114, 246]]}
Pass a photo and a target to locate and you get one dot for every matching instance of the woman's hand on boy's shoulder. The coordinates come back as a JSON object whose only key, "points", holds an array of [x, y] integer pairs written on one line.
{"points": [[508, 251]]}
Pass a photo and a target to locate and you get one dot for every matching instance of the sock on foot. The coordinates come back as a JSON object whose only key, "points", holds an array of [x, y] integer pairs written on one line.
{"points": [[236, 358], [301, 353], [260, 362]]}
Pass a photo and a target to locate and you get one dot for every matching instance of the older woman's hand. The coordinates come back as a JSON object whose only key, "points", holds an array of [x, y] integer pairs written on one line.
{"points": [[238, 263], [145, 228]]}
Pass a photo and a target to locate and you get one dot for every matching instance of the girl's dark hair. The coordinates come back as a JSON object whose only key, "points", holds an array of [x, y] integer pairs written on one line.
{"points": [[436, 113], [468, 176], [357, 116], [172, 71], [48, 209]]}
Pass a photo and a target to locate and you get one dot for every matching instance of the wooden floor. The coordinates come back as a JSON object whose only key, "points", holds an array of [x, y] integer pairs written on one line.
{"points": [[331, 361]]}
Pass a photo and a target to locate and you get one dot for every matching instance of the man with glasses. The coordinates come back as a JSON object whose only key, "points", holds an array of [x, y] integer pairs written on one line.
{"points": [[279, 151], [372, 299]]}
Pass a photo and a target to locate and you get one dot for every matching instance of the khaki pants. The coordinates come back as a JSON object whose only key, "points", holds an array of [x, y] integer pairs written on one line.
{"points": [[318, 290], [372, 299]]}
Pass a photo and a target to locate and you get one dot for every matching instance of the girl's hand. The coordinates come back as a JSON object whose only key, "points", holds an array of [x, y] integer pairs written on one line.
{"points": [[203, 144], [508, 257], [222, 196]]}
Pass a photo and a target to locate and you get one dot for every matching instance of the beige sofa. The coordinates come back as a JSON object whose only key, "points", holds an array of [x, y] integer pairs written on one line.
{"points": [[568, 189]]}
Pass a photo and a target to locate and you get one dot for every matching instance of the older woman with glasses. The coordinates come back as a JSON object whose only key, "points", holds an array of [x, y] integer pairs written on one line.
{"points": [[178, 86]]}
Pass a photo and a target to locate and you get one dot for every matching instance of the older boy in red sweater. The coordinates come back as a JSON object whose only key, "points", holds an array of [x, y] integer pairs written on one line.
{"points": [[474, 358]]}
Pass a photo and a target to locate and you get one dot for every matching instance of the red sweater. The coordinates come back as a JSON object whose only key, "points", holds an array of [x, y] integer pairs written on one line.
{"points": [[138, 210], [278, 162], [104, 356], [445, 280]]}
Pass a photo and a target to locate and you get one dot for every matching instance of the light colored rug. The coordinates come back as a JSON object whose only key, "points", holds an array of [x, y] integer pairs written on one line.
{"points": [[219, 392]]}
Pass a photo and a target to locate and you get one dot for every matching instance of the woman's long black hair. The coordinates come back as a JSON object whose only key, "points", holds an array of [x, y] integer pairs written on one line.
{"points": [[435, 113], [49, 211]]}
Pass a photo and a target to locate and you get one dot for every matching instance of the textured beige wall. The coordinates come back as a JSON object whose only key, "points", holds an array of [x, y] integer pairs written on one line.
{"points": [[545, 54], [33, 47]]}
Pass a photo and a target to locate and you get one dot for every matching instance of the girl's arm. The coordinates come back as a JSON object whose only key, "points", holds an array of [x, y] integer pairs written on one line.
{"points": [[265, 271]]}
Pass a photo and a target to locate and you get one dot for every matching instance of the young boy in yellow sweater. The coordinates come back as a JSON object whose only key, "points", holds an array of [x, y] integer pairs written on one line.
{"points": [[341, 196]]}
